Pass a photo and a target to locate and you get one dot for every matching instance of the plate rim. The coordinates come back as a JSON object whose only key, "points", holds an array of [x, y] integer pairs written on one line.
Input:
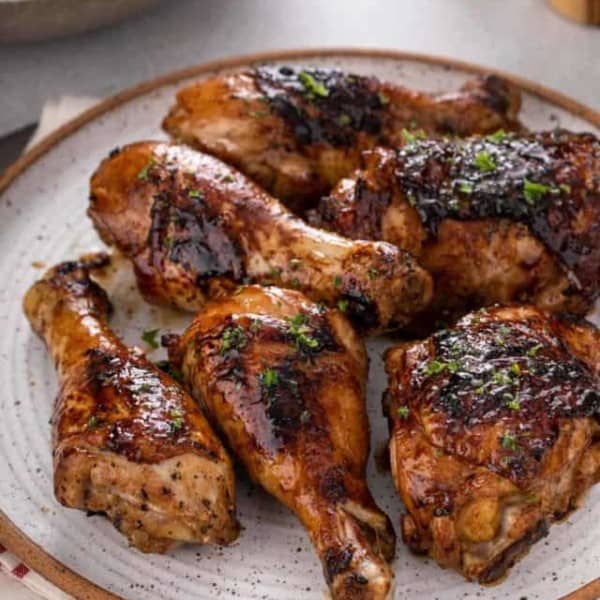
{"points": [[11, 537]]}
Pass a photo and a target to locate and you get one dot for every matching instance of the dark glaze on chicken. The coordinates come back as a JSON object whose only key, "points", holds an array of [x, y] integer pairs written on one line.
{"points": [[128, 440], [495, 434], [298, 131], [496, 219], [284, 381], [196, 228]]}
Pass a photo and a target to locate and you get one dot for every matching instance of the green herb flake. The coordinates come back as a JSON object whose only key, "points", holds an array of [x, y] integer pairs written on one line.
{"points": [[497, 136], [512, 402], [337, 281], [434, 367], [176, 422], [464, 187], [169, 369], [484, 161], [403, 412], [93, 422], [233, 338], [565, 188], [227, 178], [345, 120], [149, 336], [145, 170], [515, 369], [255, 325], [534, 350], [258, 114], [195, 194], [269, 378], [439, 452], [532, 191], [373, 274], [343, 305], [312, 86], [295, 264], [383, 98], [275, 272], [509, 441], [412, 136]]}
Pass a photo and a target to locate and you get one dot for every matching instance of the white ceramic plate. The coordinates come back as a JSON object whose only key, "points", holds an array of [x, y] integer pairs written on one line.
{"points": [[42, 219]]}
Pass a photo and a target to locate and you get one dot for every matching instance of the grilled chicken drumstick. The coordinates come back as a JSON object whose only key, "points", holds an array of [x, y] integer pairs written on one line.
{"points": [[299, 131], [195, 228], [495, 434], [497, 219], [284, 381], [128, 440]]}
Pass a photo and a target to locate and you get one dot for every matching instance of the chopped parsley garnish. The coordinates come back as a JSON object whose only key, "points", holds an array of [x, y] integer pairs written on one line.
{"points": [[167, 367], [512, 402], [532, 191], [312, 86], [484, 161], [275, 272], [269, 378], [233, 338], [300, 332], [258, 114], [149, 336], [410, 137], [436, 366], [93, 422], [501, 378], [195, 194], [343, 305], [383, 98], [176, 422], [227, 178], [144, 171], [337, 281], [255, 325], [515, 369], [565, 187], [497, 136], [295, 264], [509, 441], [465, 188], [373, 274], [403, 412], [534, 350], [345, 120]]}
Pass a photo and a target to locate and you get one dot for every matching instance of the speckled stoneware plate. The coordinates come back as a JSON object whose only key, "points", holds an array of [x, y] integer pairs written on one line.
{"points": [[42, 221]]}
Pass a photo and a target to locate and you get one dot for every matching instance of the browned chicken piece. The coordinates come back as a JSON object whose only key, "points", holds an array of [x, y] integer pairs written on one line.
{"points": [[504, 218], [128, 440], [297, 131], [195, 228], [283, 379], [495, 434]]}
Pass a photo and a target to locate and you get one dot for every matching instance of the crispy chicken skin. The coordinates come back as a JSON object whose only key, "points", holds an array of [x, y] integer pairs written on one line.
{"points": [[196, 228], [497, 219], [283, 379], [299, 131], [128, 440], [495, 434]]}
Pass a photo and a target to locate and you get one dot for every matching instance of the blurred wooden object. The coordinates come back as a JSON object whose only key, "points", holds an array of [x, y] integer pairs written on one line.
{"points": [[582, 11]]}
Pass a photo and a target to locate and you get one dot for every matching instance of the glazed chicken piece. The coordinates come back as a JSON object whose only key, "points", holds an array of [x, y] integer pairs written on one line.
{"points": [[195, 228], [503, 218], [128, 441], [495, 434], [298, 131], [283, 379]]}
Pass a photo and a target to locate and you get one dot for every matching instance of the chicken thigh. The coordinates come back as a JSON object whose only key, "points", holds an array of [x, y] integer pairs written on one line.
{"points": [[298, 131], [503, 218], [284, 381], [128, 441], [495, 434], [195, 228]]}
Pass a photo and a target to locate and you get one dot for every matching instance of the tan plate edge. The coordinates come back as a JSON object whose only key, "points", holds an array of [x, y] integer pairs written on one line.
{"points": [[10, 536]]}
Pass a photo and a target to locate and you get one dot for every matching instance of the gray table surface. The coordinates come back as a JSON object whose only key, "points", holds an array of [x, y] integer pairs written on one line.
{"points": [[522, 36]]}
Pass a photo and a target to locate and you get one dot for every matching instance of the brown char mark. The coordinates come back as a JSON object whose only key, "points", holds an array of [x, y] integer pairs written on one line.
{"points": [[322, 105]]}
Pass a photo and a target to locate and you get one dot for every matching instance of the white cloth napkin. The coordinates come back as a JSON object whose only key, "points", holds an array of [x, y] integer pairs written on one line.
{"points": [[17, 581]]}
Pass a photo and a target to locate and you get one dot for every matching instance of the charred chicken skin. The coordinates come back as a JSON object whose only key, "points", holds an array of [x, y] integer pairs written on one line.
{"points": [[299, 131], [128, 440], [283, 379], [502, 218], [195, 228], [495, 434]]}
